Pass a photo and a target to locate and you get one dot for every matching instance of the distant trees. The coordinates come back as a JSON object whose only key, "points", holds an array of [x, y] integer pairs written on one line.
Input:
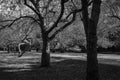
{"points": [[73, 36], [114, 14]]}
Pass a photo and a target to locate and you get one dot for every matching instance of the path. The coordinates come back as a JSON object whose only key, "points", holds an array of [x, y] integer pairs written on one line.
{"points": [[26, 60], [111, 59]]}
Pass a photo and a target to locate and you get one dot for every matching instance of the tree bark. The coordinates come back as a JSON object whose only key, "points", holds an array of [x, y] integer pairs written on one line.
{"points": [[90, 25], [45, 58], [92, 62]]}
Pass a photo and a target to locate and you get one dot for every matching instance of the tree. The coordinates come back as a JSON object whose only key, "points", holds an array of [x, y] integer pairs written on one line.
{"points": [[48, 32], [90, 25], [52, 16]]}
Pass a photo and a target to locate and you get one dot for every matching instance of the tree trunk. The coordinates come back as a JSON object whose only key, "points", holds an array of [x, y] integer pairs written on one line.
{"points": [[45, 58], [90, 25], [8, 48], [92, 62]]}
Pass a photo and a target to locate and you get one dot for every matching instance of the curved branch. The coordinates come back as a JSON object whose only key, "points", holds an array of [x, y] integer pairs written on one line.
{"points": [[13, 21], [35, 4], [63, 27], [115, 16], [62, 11], [59, 17], [32, 8]]}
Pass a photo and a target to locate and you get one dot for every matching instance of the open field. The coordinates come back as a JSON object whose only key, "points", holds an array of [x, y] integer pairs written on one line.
{"points": [[64, 67]]}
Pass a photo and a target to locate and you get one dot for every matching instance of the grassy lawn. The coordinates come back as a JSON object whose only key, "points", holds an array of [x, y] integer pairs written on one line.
{"points": [[28, 68]]}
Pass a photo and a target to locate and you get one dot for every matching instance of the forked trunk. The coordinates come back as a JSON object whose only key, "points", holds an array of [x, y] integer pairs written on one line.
{"points": [[45, 58], [90, 25]]}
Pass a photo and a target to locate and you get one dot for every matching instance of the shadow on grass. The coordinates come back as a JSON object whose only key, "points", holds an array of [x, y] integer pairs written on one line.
{"points": [[63, 70]]}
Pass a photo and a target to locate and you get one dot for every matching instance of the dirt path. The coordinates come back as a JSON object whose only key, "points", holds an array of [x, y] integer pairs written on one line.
{"points": [[12, 61], [111, 59]]}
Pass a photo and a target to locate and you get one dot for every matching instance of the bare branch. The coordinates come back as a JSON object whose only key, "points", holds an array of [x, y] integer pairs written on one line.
{"points": [[32, 8], [113, 12], [62, 11], [69, 15], [59, 17], [77, 10], [13, 21], [73, 4], [3, 27], [63, 27], [83, 7], [35, 4], [36, 10], [90, 2], [115, 16]]}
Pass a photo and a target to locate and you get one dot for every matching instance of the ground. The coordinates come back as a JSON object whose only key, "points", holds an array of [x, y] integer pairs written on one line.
{"points": [[65, 66]]}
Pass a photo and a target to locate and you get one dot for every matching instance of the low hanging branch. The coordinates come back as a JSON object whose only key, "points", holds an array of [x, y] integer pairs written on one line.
{"points": [[63, 27], [13, 21], [59, 17]]}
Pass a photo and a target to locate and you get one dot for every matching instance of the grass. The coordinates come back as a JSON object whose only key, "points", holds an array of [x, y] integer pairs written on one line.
{"points": [[61, 69]]}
